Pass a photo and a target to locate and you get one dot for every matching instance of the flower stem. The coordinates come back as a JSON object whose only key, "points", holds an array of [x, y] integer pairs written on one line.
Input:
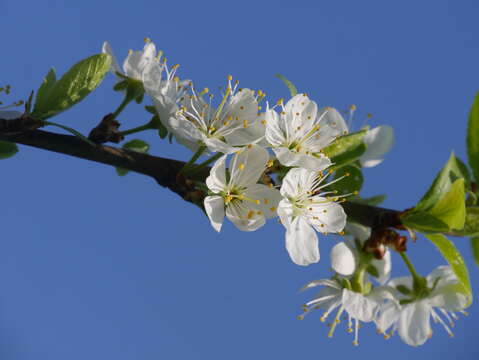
{"points": [[357, 281], [122, 106], [136, 129], [195, 157], [418, 281], [71, 131]]}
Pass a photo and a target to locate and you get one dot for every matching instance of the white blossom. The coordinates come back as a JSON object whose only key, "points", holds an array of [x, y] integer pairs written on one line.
{"points": [[234, 122], [410, 314], [300, 132], [136, 61], [335, 295], [303, 210], [236, 192]]}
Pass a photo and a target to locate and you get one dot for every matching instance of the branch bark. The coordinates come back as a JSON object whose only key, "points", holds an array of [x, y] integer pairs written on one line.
{"points": [[166, 171]]}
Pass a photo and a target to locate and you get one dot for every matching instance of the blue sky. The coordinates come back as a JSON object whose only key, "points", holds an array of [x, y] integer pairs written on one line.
{"points": [[101, 267]]}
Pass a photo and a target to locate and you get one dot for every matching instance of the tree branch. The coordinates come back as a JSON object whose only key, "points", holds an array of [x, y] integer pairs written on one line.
{"points": [[166, 171]]}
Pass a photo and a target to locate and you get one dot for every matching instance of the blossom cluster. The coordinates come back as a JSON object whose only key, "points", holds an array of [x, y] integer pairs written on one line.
{"points": [[271, 163]]}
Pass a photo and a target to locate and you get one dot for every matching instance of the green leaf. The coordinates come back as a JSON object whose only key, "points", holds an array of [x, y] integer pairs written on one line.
{"points": [[7, 149], [54, 97], [451, 208], [471, 225], [346, 149], [46, 87], [455, 260], [475, 248], [352, 181], [441, 184], [373, 200], [424, 222], [292, 89], [372, 270], [466, 174], [472, 139], [133, 145]]}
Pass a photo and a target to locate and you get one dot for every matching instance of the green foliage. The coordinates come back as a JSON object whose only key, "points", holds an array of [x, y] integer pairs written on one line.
{"points": [[133, 145], [471, 225], [475, 248], [7, 149], [346, 149], [353, 180], [55, 96], [473, 138], [443, 206], [372, 201], [292, 89], [455, 260]]}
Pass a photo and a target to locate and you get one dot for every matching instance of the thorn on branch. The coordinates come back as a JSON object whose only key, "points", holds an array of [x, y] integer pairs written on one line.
{"points": [[106, 131]]}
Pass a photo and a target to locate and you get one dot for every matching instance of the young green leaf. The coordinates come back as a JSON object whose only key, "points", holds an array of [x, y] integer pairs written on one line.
{"points": [[423, 222], [7, 149], [441, 184], [473, 138], [451, 208], [133, 145], [373, 200], [54, 97], [292, 89], [346, 149], [475, 248], [471, 225], [455, 260]]}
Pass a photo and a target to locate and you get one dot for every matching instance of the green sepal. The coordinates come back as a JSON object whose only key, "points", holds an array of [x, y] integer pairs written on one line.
{"points": [[120, 86], [404, 290], [292, 89], [372, 270], [455, 260], [472, 138], [7, 149], [133, 145], [55, 96], [346, 149]]}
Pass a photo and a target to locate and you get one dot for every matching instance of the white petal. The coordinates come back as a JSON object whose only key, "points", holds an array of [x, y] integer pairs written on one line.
{"points": [[248, 165], [269, 199], [290, 158], [321, 282], [326, 216], [106, 49], [359, 306], [244, 216], [379, 141], [215, 209], [332, 119], [216, 182], [274, 132], [302, 242], [298, 181], [449, 297], [387, 316], [383, 266], [343, 260], [152, 78], [414, 327], [360, 232]]}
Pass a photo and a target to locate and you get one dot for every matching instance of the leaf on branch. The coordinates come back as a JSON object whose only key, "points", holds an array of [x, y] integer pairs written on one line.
{"points": [[133, 145], [471, 225], [55, 96], [473, 138], [352, 181], [372, 201], [346, 149], [7, 149], [475, 248], [455, 260], [292, 89]]}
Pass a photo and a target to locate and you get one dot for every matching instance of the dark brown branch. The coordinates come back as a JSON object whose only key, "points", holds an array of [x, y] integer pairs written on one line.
{"points": [[166, 171]]}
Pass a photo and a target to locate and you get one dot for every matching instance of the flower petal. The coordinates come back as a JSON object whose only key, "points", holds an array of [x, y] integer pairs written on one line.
{"points": [[359, 306], [413, 326], [248, 165], [269, 199], [106, 49], [326, 216], [215, 209], [245, 217], [379, 141], [302, 242], [311, 162], [343, 260], [216, 182]]}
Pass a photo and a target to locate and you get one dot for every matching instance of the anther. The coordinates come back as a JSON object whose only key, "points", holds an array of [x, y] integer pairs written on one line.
{"points": [[241, 166]]}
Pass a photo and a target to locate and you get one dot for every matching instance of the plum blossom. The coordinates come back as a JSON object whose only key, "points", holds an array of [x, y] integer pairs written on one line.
{"points": [[303, 210], [221, 129], [236, 192], [299, 133], [409, 313]]}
